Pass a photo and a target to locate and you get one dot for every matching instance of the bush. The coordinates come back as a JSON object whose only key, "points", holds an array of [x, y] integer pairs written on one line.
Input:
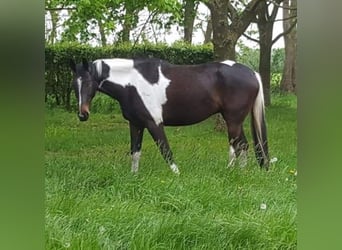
{"points": [[275, 82], [104, 104], [250, 57], [278, 58]]}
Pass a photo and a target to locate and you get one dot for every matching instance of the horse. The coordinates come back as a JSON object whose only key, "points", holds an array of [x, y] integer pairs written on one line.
{"points": [[153, 93]]}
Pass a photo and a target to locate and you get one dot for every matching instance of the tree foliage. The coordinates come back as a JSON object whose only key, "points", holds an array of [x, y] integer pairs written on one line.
{"points": [[97, 20]]}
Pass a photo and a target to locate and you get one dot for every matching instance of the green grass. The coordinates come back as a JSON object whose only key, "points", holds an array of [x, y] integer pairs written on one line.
{"points": [[94, 202]]}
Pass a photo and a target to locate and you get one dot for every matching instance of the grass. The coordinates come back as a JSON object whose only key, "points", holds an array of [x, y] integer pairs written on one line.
{"points": [[94, 202]]}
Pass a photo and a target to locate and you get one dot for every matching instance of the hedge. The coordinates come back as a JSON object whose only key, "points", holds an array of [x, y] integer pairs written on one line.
{"points": [[58, 77]]}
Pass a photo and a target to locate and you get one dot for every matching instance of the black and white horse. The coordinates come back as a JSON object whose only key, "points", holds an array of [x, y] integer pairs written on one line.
{"points": [[154, 93]]}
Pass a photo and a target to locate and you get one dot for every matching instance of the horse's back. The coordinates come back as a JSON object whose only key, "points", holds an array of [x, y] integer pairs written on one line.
{"points": [[198, 91], [214, 78]]}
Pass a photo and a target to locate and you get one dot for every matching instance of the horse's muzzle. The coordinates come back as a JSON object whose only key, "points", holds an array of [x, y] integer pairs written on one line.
{"points": [[83, 116]]}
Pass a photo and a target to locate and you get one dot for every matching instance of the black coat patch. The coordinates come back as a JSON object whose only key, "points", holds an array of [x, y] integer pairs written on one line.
{"points": [[104, 74], [105, 71], [148, 69]]}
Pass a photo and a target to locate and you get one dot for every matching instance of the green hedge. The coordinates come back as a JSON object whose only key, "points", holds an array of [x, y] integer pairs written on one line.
{"points": [[58, 91]]}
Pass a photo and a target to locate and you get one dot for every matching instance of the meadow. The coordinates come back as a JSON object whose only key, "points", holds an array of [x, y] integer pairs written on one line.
{"points": [[93, 201]]}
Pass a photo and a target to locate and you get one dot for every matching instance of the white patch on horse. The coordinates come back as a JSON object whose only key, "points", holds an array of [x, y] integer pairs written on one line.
{"points": [[243, 158], [153, 95], [174, 168], [229, 62], [135, 161], [232, 156], [79, 85]]}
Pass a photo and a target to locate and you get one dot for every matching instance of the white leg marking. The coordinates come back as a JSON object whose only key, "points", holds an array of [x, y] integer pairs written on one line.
{"points": [[243, 158], [232, 156], [135, 161], [174, 168]]}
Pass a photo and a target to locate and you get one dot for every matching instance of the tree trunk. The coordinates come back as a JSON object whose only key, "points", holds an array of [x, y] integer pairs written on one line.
{"points": [[56, 93], [288, 81], [226, 36], [231, 41], [208, 31], [265, 70], [127, 25], [54, 21], [102, 33], [219, 17], [189, 19], [265, 27]]}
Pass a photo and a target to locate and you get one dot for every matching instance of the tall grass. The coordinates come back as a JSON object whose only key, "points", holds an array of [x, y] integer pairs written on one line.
{"points": [[94, 202]]}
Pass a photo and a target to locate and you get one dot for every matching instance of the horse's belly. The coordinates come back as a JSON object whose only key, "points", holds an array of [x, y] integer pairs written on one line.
{"points": [[178, 115]]}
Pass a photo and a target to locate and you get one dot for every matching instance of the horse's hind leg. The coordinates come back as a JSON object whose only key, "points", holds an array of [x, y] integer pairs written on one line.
{"points": [[136, 134], [238, 144], [158, 134]]}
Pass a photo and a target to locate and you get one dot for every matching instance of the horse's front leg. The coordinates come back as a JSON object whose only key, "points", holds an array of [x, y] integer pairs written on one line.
{"points": [[136, 134], [158, 134]]}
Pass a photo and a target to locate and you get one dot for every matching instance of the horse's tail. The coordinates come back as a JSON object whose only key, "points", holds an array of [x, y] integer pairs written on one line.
{"points": [[259, 130]]}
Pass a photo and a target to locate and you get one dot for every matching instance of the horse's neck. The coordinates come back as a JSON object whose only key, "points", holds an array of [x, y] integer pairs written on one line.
{"points": [[115, 91]]}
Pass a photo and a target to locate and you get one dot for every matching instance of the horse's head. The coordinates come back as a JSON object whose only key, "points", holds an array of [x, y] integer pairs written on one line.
{"points": [[85, 87]]}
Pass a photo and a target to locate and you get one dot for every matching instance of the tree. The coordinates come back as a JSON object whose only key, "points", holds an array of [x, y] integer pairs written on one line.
{"points": [[208, 31], [225, 35], [265, 22], [265, 19], [219, 17], [97, 20], [288, 81], [190, 9], [130, 18], [205, 25], [51, 36], [85, 17]]}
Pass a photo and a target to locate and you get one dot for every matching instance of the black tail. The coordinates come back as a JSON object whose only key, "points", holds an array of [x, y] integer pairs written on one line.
{"points": [[259, 130]]}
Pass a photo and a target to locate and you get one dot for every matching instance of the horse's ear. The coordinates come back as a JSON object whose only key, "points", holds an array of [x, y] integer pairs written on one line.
{"points": [[85, 64], [72, 65]]}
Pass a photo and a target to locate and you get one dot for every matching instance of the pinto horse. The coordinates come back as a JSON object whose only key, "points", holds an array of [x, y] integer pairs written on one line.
{"points": [[153, 93]]}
